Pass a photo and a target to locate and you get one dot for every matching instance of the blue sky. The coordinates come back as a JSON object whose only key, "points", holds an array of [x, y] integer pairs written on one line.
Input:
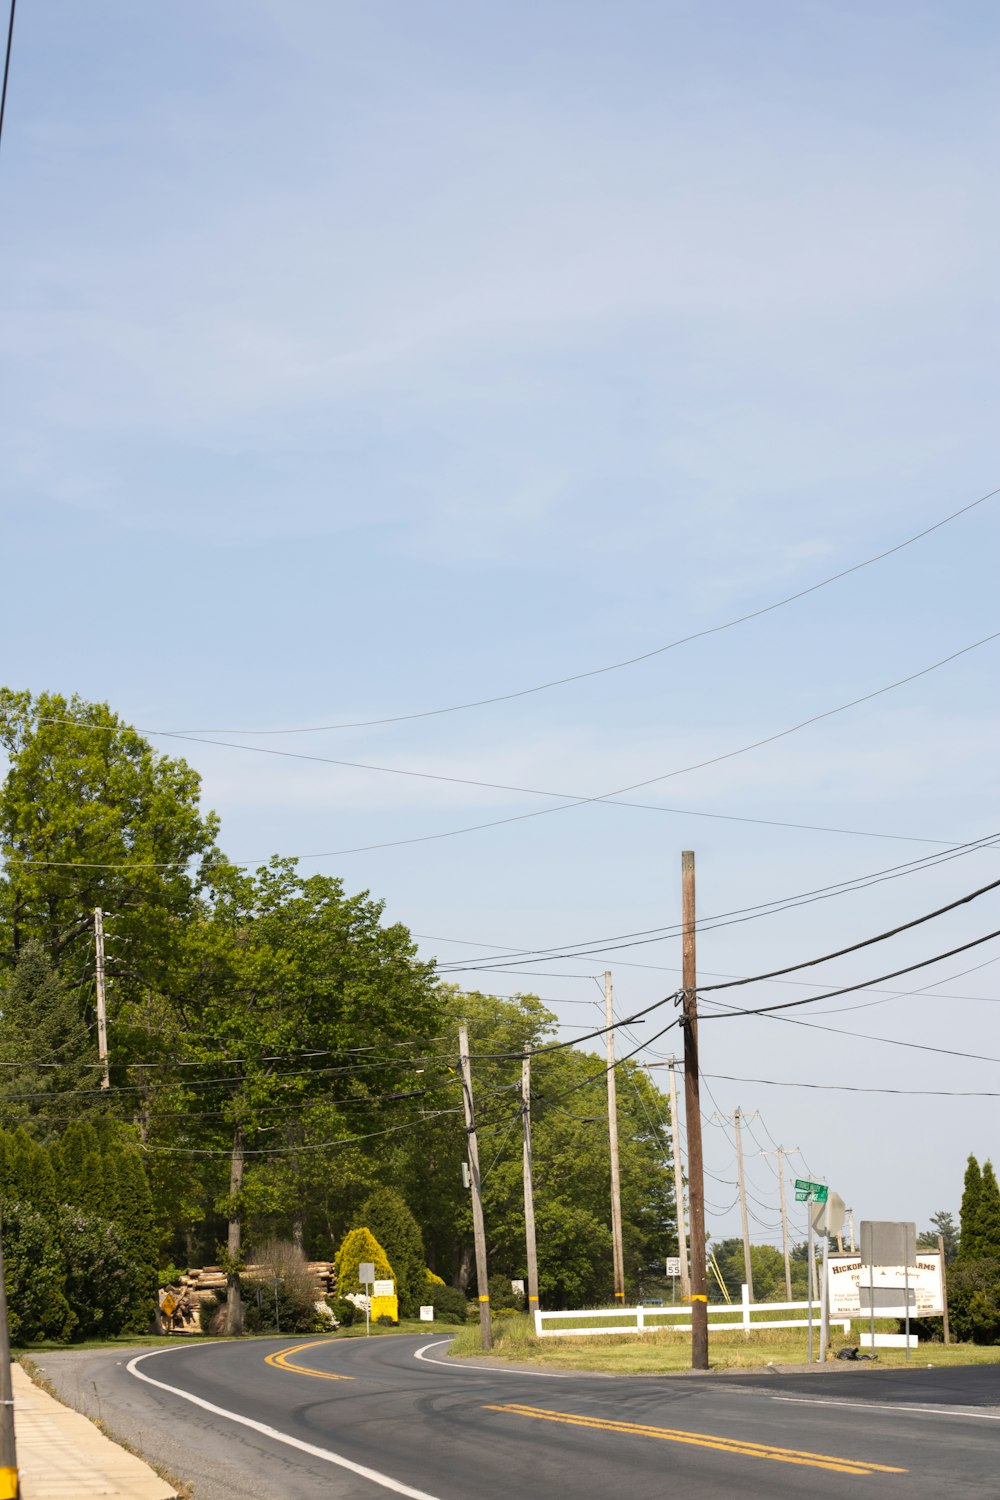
{"points": [[364, 359]]}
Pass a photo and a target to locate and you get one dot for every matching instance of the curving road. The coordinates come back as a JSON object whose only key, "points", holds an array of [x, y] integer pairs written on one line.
{"points": [[355, 1419]]}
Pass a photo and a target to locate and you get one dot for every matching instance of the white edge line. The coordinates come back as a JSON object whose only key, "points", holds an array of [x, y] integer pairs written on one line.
{"points": [[925, 1411], [384, 1480], [460, 1364]]}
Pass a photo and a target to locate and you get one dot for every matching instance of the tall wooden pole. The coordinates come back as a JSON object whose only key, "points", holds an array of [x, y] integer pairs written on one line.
{"points": [[478, 1227], [692, 1114], [9, 1488], [616, 1187], [102, 1014], [675, 1140], [529, 1196], [780, 1153], [944, 1290], [742, 1188]]}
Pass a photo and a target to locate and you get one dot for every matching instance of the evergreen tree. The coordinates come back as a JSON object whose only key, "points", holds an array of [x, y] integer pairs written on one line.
{"points": [[989, 1213], [44, 1046], [135, 1219], [360, 1245], [386, 1214], [970, 1245]]}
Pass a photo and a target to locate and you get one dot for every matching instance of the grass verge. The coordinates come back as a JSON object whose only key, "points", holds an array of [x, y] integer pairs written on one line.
{"points": [[662, 1352]]}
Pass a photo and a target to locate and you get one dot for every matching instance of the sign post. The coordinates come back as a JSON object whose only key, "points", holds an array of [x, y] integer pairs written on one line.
{"points": [[366, 1275], [811, 1192]]}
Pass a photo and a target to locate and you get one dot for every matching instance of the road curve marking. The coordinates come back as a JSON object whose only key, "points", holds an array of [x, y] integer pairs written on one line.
{"points": [[460, 1364], [280, 1361], [326, 1454], [738, 1446]]}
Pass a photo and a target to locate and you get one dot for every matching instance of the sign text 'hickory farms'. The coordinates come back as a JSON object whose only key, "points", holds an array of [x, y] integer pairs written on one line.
{"points": [[849, 1280]]}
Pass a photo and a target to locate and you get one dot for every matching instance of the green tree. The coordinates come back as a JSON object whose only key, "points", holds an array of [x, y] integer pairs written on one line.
{"points": [[943, 1224], [385, 1213], [989, 1213], [100, 1276], [971, 1242], [45, 1049]]}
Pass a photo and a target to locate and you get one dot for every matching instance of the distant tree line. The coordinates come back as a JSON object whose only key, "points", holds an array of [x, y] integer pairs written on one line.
{"points": [[278, 1054]]}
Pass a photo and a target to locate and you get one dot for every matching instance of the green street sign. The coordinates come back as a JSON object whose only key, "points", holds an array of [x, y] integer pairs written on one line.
{"points": [[812, 1192]]}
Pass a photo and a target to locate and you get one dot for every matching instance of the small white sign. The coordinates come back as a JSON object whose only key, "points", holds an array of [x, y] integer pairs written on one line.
{"points": [[427, 1315], [673, 1265], [366, 1272], [517, 1286], [383, 1289]]}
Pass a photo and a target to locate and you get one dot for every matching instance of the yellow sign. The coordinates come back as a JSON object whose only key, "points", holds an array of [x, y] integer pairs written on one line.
{"points": [[168, 1306]]}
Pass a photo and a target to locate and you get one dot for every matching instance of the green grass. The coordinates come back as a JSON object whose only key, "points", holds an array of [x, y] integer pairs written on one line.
{"points": [[664, 1352]]}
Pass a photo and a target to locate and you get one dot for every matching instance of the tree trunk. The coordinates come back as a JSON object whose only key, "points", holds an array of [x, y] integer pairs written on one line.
{"points": [[234, 1304], [465, 1268], [298, 1228]]}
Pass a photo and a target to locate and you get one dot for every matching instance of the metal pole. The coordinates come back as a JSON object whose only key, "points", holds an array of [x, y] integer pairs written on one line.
{"points": [[102, 1017], [692, 1114], [810, 1252], [616, 1187], [824, 1296], [478, 1227], [675, 1141], [906, 1294], [529, 1197]]}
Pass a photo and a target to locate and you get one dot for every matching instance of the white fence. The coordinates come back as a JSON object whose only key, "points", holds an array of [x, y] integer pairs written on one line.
{"points": [[648, 1319]]}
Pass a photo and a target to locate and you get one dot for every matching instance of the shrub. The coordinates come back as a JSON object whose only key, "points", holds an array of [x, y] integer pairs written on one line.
{"points": [[35, 1276], [207, 1309], [503, 1295], [344, 1310], [449, 1304], [282, 1308], [384, 1321], [101, 1281], [974, 1300], [389, 1219], [358, 1246]]}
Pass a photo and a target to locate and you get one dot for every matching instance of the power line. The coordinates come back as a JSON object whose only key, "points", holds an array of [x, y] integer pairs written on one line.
{"points": [[568, 800], [651, 935], [629, 661], [880, 937], [854, 1088], [6, 65]]}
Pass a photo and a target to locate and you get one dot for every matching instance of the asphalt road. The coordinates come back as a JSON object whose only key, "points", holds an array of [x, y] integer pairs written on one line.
{"points": [[301, 1419]]}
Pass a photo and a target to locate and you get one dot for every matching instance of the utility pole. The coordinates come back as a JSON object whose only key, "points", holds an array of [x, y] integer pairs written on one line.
{"points": [[692, 1113], [616, 1187], [529, 1196], [102, 1015], [478, 1228], [779, 1152], [9, 1487], [747, 1263], [675, 1137]]}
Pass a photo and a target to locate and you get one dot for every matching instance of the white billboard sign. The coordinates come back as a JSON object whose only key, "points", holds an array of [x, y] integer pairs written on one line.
{"points": [[383, 1288], [849, 1282]]}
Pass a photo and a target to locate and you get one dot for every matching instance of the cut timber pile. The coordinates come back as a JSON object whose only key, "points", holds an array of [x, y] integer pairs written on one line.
{"points": [[180, 1301]]}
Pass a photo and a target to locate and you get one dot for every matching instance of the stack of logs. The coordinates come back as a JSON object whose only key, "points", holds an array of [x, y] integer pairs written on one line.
{"points": [[185, 1296]]}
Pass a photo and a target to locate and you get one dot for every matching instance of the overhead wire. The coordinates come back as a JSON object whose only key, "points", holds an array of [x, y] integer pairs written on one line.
{"points": [[632, 660], [568, 800]]}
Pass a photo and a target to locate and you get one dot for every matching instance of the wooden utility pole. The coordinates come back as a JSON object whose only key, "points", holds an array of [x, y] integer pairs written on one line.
{"points": [[102, 1014], [944, 1290], [478, 1227], [675, 1139], [9, 1487], [529, 1196], [779, 1152], [692, 1114], [234, 1242], [747, 1263], [616, 1187]]}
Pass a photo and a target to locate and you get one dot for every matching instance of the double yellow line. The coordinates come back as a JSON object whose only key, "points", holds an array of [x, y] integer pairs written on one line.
{"points": [[705, 1440], [280, 1361]]}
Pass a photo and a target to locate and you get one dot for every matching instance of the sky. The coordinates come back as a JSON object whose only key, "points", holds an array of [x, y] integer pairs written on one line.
{"points": [[363, 360]]}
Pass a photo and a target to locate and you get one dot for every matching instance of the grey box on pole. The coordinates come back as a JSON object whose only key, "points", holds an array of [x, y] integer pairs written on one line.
{"points": [[366, 1272], [885, 1242]]}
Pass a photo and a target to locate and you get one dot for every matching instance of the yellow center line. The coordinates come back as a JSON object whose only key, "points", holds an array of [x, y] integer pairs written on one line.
{"points": [[280, 1361], [744, 1449]]}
